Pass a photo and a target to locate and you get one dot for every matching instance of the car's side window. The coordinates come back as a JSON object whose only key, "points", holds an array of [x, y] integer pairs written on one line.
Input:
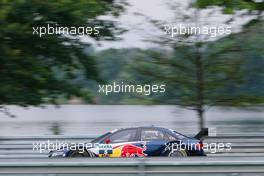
{"points": [[152, 134], [170, 137], [123, 136]]}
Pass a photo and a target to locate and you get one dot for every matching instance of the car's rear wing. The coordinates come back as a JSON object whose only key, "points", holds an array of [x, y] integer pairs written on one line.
{"points": [[203, 133]]}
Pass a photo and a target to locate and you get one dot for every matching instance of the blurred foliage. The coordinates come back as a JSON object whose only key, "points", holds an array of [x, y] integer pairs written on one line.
{"points": [[38, 70], [229, 6], [118, 65], [232, 69]]}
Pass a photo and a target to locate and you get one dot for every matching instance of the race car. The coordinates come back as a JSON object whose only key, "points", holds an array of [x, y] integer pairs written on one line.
{"points": [[137, 142]]}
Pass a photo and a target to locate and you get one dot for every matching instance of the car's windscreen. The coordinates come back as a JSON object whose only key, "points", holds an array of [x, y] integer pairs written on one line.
{"points": [[96, 140]]}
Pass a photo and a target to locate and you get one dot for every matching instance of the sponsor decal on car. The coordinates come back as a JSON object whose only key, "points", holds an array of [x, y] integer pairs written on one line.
{"points": [[128, 150]]}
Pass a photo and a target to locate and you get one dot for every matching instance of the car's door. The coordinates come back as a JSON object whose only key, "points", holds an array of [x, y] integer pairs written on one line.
{"points": [[154, 139], [125, 143]]}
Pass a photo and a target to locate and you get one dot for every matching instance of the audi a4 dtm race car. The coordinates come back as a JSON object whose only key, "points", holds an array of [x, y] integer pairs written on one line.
{"points": [[137, 142]]}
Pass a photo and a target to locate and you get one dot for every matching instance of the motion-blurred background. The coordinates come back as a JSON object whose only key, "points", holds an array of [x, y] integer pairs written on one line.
{"points": [[210, 81]]}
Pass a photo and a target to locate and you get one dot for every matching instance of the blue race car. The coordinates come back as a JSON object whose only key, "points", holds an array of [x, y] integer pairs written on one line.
{"points": [[137, 142]]}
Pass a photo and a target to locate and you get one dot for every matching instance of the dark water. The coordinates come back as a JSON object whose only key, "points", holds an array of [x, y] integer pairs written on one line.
{"points": [[94, 120]]}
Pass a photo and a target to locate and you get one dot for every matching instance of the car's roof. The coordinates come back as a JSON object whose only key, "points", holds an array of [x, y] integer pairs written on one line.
{"points": [[151, 126]]}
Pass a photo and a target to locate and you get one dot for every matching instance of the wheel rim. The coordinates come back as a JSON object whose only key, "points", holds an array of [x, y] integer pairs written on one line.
{"points": [[77, 155], [177, 154]]}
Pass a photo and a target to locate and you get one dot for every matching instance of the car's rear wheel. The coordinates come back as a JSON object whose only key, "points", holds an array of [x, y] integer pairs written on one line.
{"points": [[79, 154]]}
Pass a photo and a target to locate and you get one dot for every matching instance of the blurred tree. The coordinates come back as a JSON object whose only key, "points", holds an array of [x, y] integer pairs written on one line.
{"points": [[36, 70], [227, 72], [203, 73], [252, 7]]}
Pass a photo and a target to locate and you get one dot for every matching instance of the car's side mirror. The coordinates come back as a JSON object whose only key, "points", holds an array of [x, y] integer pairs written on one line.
{"points": [[107, 141]]}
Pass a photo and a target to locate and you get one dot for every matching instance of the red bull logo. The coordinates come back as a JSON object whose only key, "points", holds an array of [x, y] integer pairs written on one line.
{"points": [[130, 150]]}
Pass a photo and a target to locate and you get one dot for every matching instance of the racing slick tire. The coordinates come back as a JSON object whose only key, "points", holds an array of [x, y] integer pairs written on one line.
{"points": [[79, 154], [178, 153]]}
